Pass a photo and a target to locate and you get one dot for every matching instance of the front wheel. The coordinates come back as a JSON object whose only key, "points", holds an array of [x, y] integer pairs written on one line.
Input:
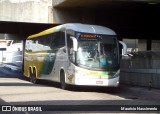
{"points": [[62, 81]]}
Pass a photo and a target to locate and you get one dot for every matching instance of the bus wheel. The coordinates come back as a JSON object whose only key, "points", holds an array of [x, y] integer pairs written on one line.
{"points": [[30, 75], [34, 79], [62, 80]]}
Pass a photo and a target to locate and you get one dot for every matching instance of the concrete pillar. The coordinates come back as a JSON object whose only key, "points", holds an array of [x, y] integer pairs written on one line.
{"points": [[155, 45], [50, 14], [149, 44], [142, 45]]}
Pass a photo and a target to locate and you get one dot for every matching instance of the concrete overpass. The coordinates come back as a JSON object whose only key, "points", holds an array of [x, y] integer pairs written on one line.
{"points": [[129, 18], [136, 19]]}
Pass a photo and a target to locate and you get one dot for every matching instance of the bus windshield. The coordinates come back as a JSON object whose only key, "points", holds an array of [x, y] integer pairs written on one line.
{"points": [[99, 54]]}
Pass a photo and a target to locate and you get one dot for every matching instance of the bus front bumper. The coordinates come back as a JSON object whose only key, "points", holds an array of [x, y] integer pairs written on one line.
{"points": [[96, 81]]}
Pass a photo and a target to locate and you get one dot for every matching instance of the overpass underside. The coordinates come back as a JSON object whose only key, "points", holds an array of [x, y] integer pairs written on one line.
{"points": [[133, 19], [129, 18]]}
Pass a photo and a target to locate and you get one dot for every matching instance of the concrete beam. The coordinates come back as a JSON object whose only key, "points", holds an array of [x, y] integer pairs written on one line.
{"points": [[97, 3], [23, 28], [11, 37], [36, 11]]}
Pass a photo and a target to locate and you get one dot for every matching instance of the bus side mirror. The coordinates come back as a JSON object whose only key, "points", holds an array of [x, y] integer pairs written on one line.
{"points": [[124, 52], [75, 43]]}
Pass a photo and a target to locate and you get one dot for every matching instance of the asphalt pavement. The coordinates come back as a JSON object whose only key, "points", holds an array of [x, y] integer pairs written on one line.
{"points": [[15, 89]]}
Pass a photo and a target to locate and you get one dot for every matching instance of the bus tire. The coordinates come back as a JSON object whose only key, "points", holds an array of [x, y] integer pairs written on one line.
{"points": [[62, 80], [30, 75], [34, 78]]}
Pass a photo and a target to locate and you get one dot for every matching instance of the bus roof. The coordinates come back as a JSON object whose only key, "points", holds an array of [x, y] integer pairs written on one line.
{"points": [[77, 27]]}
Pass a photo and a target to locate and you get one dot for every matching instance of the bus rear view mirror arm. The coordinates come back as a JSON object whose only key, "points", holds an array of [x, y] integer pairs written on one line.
{"points": [[75, 43], [124, 52]]}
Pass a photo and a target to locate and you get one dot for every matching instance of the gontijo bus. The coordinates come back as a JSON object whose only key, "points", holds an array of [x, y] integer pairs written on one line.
{"points": [[77, 54]]}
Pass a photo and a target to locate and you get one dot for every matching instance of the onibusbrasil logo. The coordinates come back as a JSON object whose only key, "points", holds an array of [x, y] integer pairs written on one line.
{"points": [[21, 108]]}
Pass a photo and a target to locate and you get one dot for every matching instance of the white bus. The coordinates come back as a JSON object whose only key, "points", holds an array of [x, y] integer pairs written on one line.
{"points": [[73, 53]]}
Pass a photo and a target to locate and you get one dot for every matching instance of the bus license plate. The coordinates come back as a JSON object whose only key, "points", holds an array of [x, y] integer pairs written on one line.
{"points": [[99, 82]]}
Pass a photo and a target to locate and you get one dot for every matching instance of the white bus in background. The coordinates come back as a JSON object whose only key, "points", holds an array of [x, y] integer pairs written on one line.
{"points": [[14, 45], [13, 53], [3, 47]]}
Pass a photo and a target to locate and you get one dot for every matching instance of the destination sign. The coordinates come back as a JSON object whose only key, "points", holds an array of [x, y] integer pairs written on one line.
{"points": [[88, 37]]}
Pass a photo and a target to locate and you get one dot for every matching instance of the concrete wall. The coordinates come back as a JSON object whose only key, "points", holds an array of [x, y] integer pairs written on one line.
{"points": [[143, 69], [155, 45], [142, 45], [57, 2], [42, 11], [37, 11]]}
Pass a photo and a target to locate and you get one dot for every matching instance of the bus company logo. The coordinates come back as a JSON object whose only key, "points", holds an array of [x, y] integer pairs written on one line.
{"points": [[6, 108], [21, 108]]}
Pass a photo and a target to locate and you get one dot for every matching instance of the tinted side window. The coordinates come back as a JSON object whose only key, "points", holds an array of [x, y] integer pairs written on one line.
{"points": [[57, 40], [46, 42]]}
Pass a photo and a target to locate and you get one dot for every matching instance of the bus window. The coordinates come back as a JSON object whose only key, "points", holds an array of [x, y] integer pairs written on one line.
{"points": [[57, 40], [61, 39], [71, 53]]}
